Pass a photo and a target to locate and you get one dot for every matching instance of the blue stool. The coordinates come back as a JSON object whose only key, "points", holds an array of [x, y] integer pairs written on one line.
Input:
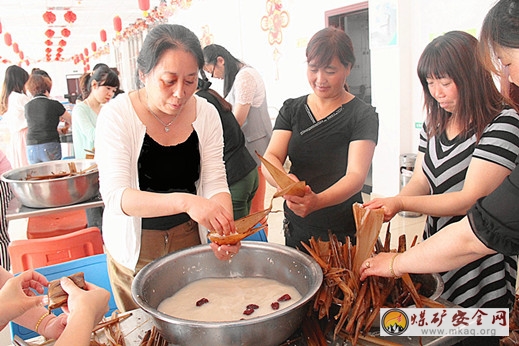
{"points": [[258, 236]]}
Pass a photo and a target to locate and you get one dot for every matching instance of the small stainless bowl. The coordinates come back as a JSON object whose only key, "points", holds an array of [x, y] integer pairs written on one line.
{"points": [[55, 192], [165, 276], [431, 285]]}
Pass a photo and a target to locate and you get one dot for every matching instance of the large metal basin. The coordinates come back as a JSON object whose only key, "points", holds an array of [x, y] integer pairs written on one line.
{"points": [[163, 277], [56, 192]]}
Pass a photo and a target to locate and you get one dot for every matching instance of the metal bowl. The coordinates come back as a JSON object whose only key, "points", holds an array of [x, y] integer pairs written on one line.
{"points": [[165, 276], [56, 192], [431, 285]]}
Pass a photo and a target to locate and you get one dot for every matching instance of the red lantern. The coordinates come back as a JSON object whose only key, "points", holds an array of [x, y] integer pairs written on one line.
{"points": [[94, 47], [86, 51], [49, 33], [7, 39], [27, 62], [15, 48], [21, 55], [48, 50], [59, 49], [65, 32], [70, 16], [0, 27], [118, 24], [102, 33], [62, 43], [49, 17], [144, 6], [48, 43]]}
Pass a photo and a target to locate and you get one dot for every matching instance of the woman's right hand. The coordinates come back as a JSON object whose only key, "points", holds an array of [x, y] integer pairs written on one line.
{"points": [[383, 264], [90, 304], [211, 214]]}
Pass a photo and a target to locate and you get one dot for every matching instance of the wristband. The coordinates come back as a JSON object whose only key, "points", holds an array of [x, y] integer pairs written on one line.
{"points": [[391, 265], [40, 320]]}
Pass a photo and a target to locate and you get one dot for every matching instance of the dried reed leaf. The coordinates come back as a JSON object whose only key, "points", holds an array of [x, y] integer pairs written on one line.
{"points": [[368, 224], [285, 183], [295, 189], [245, 227]]}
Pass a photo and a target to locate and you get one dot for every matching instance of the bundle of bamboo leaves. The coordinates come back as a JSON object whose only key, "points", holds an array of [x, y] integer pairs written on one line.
{"points": [[359, 303]]}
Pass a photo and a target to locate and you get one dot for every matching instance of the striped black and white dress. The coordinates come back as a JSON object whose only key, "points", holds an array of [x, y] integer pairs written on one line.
{"points": [[5, 197], [490, 281]]}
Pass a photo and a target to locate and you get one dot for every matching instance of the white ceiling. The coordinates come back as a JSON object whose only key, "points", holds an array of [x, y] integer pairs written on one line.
{"points": [[23, 19]]}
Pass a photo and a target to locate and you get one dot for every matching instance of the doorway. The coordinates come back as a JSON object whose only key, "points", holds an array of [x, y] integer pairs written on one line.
{"points": [[354, 21]]}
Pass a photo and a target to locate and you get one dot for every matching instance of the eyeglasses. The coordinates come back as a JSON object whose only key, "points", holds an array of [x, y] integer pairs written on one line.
{"points": [[212, 72]]}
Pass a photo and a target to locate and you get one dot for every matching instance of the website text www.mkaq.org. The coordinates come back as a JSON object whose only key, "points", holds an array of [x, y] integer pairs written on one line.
{"points": [[459, 331]]}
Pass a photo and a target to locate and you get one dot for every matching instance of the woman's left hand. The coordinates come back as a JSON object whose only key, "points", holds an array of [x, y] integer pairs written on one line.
{"points": [[54, 327], [390, 205], [302, 206], [225, 252]]}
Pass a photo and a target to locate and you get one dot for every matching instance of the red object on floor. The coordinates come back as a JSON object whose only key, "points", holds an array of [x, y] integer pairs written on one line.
{"points": [[35, 253], [46, 226]]}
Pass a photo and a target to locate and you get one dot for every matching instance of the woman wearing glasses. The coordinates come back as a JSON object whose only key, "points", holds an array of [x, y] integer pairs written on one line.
{"points": [[243, 87]]}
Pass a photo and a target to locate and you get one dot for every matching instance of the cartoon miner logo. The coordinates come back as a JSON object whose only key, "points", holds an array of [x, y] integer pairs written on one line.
{"points": [[395, 322]]}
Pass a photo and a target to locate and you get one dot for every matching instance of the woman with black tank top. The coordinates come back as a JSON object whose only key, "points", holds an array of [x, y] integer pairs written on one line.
{"points": [[160, 155]]}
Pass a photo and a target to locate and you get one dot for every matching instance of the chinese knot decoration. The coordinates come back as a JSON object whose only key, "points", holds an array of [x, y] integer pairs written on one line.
{"points": [[70, 17]]}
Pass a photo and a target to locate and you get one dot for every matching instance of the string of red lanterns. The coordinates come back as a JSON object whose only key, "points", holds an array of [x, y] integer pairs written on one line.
{"points": [[158, 14]]}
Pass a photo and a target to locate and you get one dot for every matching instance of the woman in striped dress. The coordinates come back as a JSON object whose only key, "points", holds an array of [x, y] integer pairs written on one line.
{"points": [[468, 146]]}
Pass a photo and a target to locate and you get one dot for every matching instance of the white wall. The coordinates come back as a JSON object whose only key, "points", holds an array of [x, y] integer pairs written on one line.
{"points": [[396, 91]]}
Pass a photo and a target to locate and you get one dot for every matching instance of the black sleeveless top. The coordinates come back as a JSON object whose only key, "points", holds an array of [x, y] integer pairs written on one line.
{"points": [[166, 169]]}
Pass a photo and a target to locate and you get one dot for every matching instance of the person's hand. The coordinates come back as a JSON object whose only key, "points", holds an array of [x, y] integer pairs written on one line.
{"points": [[88, 305], [54, 327], [211, 215], [303, 206], [17, 295], [391, 206], [380, 265], [225, 252]]}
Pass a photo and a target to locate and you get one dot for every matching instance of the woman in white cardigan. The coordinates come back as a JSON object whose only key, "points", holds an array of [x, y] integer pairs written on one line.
{"points": [[160, 155]]}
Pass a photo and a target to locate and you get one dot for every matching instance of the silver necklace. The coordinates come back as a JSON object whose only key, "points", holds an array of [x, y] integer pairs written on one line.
{"points": [[166, 126]]}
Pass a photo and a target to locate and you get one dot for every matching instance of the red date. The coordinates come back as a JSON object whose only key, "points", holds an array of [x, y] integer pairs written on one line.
{"points": [[252, 306], [284, 298], [275, 305], [202, 302], [248, 311]]}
